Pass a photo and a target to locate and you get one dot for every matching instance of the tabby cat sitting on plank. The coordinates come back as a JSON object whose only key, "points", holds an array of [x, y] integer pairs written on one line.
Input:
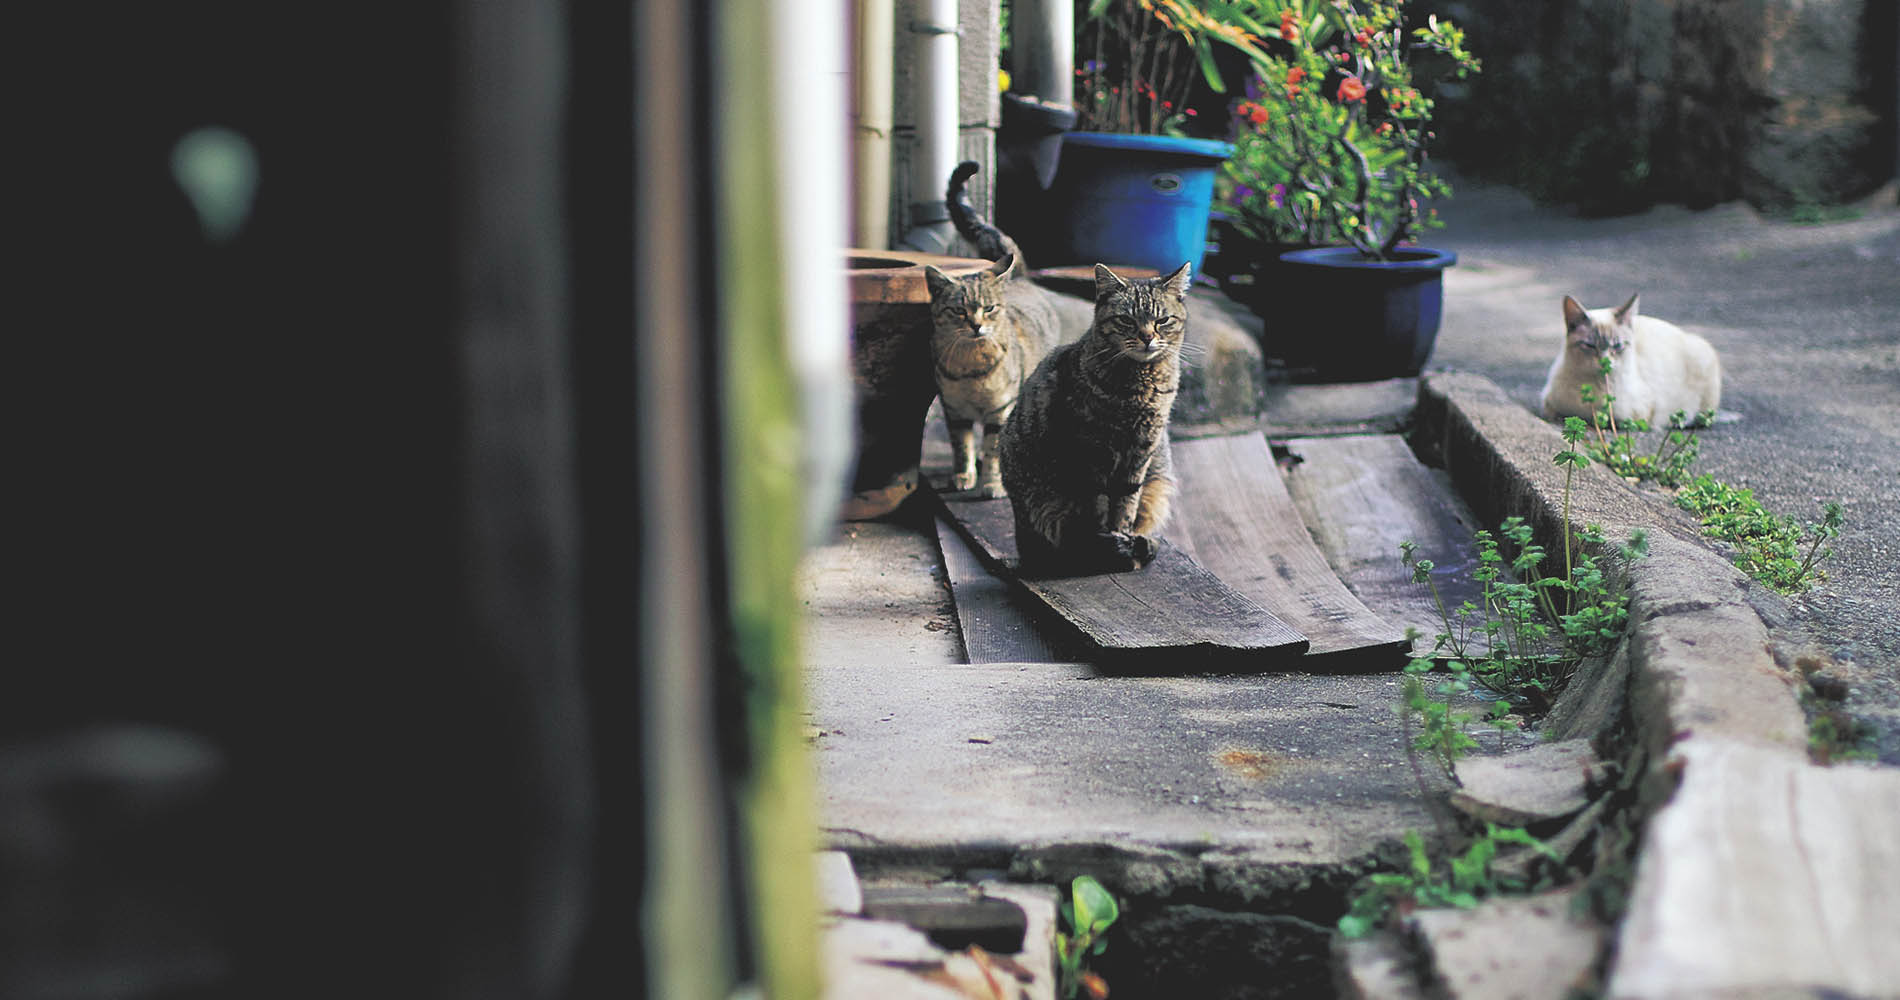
{"points": [[1085, 455], [988, 331]]}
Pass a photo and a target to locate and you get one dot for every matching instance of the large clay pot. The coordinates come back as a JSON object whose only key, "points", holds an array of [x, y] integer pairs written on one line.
{"points": [[891, 371]]}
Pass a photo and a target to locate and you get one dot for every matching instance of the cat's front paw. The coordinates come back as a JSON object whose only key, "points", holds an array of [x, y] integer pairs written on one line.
{"points": [[1121, 552], [989, 491], [963, 480], [1143, 548]]}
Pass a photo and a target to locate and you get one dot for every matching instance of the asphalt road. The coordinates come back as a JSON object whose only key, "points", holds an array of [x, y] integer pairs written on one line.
{"points": [[1806, 318]]}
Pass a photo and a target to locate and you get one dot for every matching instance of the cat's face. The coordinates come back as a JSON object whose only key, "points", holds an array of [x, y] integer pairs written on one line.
{"points": [[1598, 332], [970, 306], [1143, 319]]}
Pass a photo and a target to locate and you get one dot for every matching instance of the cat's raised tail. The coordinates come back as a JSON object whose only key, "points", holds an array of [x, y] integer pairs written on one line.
{"points": [[989, 241]]}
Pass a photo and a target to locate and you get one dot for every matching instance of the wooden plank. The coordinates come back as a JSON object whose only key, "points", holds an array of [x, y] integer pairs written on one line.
{"points": [[996, 627], [1233, 514], [1169, 616], [1361, 496], [1130, 621]]}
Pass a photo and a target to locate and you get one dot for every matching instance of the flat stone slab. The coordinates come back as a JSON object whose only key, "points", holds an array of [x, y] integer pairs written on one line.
{"points": [[1546, 782], [1511, 948], [892, 959], [1765, 876], [1377, 967], [1297, 411], [1052, 769]]}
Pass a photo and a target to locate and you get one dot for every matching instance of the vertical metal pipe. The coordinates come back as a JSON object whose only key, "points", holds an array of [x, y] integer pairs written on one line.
{"points": [[1042, 49], [875, 39], [933, 30]]}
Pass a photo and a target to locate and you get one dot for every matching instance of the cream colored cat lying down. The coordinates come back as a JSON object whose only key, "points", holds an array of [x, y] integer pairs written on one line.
{"points": [[1657, 368]]}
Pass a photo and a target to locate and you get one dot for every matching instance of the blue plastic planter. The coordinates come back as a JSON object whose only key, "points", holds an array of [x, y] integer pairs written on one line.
{"points": [[1353, 318], [1139, 200]]}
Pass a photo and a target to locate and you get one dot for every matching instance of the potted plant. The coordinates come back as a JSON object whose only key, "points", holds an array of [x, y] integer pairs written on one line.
{"points": [[1328, 175], [1132, 186]]}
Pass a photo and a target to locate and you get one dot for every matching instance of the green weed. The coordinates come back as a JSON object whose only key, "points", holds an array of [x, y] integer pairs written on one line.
{"points": [[1087, 915], [1536, 628], [1779, 551], [1774, 549], [1616, 448], [1463, 881]]}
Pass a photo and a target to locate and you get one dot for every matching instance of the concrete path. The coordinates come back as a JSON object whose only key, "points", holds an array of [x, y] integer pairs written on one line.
{"points": [[1807, 321], [1167, 783]]}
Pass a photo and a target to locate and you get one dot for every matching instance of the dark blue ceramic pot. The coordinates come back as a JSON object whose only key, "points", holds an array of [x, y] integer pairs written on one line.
{"points": [[1341, 316]]}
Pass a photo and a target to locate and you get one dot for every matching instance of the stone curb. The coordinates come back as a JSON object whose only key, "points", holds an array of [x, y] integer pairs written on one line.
{"points": [[1759, 873], [1701, 664]]}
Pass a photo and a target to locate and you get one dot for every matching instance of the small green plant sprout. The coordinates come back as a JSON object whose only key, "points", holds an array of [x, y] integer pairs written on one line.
{"points": [[1829, 527], [1779, 551], [1536, 629], [1667, 464], [1442, 728], [1087, 915], [1463, 882]]}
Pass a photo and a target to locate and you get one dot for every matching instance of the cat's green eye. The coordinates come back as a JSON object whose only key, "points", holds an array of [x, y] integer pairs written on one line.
{"points": [[1167, 323]]}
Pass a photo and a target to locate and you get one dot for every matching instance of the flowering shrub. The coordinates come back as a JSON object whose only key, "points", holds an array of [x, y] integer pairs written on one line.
{"points": [[1332, 133], [1139, 60]]}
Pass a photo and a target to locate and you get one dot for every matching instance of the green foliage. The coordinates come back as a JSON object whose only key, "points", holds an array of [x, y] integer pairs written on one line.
{"points": [[1779, 551], [1442, 728], [1332, 133], [1536, 628], [1087, 916], [1463, 881], [1835, 735], [1776, 550], [1667, 464]]}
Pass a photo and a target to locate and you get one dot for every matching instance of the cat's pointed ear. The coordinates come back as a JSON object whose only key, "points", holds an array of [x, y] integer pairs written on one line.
{"points": [[1574, 314], [1627, 311], [1002, 265], [1107, 281], [1179, 281], [937, 281]]}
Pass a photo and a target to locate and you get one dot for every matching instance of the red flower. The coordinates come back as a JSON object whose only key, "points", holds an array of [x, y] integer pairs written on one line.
{"points": [[1294, 76], [1290, 26], [1363, 37], [1351, 89], [1258, 115]]}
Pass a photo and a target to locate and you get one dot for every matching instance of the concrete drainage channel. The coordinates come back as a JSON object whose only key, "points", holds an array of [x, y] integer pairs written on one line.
{"points": [[1232, 815]]}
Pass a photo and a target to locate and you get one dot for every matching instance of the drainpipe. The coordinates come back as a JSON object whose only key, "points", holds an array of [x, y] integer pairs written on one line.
{"points": [[873, 141], [1042, 50], [934, 33]]}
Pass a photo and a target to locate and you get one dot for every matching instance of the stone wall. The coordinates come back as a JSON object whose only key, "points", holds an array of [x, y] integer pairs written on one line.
{"points": [[1617, 104]]}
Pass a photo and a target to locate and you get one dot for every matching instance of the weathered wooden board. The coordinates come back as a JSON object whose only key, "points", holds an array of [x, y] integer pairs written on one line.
{"points": [[1170, 616], [1360, 496], [1234, 516], [1136, 621], [996, 627]]}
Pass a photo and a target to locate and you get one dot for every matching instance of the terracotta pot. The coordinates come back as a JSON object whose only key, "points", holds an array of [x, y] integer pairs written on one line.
{"points": [[891, 371]]}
